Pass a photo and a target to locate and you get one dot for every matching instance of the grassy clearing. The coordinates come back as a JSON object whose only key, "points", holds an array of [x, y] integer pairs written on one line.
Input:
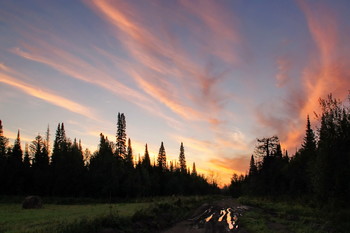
{"points": [[15, 219], [150, 216], [278, 216]]}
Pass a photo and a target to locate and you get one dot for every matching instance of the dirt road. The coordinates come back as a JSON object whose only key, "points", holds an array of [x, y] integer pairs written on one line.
{"points": [[219, 217]]}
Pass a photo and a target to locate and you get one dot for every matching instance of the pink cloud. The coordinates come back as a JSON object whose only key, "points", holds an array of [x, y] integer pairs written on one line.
{"points": [[167, 72], [327, 71], [48, 96]]}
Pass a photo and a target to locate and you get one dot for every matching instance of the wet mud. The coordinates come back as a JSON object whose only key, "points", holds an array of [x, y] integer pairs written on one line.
{"points": [[222, 216]]}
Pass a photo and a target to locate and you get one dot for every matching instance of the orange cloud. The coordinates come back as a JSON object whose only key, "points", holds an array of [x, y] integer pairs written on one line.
{"points": [[154, 89], [327, 71], [238, 165], [3, 67], [169, 74], [13, 136], [48, 96], [69, 64]]}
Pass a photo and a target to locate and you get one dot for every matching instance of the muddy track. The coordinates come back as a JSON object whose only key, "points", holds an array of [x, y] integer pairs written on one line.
{"points": [[219, 217]]}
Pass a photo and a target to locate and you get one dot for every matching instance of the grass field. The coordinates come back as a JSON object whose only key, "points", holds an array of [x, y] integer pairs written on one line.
{"points": [[148, 214], [269, 216], [15, 219]]}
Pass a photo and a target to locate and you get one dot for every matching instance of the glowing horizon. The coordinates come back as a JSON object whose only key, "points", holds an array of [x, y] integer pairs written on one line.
{"points": [[214, 75]]}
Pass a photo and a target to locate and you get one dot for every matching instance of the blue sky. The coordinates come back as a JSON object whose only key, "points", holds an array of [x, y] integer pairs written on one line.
{"points": [[215, 75]]}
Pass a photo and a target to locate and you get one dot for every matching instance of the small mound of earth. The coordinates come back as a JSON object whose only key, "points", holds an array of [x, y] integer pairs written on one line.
{"points": [[32, 202]]}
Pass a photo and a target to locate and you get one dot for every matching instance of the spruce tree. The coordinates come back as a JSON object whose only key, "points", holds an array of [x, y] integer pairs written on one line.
{"points": [[161, 161], [26, 159], [40, 166], [304, 162], [3, 142], [194, 171], [17, 153], [146, 162], [15, 167], [47, 141], [309, 143], [331, 173], [286, 156], [3, 146], [182, 159], [103, 169], [121, 136], [76, 155], [28, 180], [41, 157], [252, 167], [129, 160], [60, 147], [278, 152]]}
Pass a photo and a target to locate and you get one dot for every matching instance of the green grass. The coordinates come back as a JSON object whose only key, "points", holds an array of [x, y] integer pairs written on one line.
{"points": [[15, 219], [145, 215], [280, 216]]}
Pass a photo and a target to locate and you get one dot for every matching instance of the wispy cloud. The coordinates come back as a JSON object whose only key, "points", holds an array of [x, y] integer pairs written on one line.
{"points": [[219, 26], [170, 74], [13, 136], [48, 96], [326, 71], [3, 67], [182, 75], [284, 67], [76, 67]]}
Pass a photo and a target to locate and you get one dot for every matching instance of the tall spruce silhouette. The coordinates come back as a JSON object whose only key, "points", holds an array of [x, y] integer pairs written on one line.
{"points": [[182, 159], [161, 160], [129, 159], [194, 170], [146, 161], [252, 167], [17, 153], [121, 136], [40, 166]]}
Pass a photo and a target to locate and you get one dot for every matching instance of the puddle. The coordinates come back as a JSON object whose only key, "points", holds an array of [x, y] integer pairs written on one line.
{"points": [[220, 219]]}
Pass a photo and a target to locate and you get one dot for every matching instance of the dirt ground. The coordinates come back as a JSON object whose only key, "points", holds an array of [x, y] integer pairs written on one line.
{"points": [[219, 217]]}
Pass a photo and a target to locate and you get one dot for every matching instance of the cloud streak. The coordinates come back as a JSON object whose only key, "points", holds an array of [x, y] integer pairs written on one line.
{"points": [[48, 96], [169, 73], [326, 71]]}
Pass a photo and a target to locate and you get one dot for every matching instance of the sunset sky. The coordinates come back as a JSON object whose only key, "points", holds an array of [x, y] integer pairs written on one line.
{"points": [[214, 75]]}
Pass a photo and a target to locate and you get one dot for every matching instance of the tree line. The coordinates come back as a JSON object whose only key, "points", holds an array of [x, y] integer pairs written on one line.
{"points": [[319, 172], [110, 172]]}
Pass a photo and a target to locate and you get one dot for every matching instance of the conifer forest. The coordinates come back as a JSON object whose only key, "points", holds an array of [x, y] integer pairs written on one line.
{"points": [[66, 170], [319, 171]]}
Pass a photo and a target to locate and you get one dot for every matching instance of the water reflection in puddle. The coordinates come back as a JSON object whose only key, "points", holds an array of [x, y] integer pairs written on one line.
{"points": [[220, 219]]}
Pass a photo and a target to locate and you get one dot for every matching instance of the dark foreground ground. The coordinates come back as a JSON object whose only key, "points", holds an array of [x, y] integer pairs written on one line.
{"points": [[262, 216], [219, 217]]}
